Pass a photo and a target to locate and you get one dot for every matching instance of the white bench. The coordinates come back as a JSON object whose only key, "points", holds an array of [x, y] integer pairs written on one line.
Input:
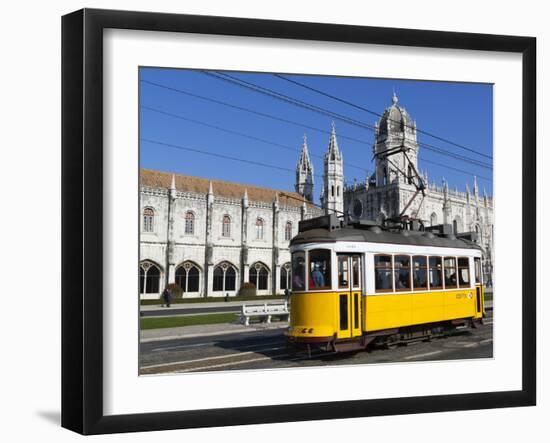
{"points": [[263, 311]]}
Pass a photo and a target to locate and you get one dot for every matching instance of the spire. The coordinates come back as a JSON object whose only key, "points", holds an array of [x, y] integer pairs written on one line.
{"points": [[245, 198], [333, 150], [304, 173], [304, 163], [210, 190], [476, 190]]}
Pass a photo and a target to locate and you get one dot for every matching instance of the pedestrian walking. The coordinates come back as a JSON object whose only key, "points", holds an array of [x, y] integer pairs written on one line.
{"points": [[166, 297]]}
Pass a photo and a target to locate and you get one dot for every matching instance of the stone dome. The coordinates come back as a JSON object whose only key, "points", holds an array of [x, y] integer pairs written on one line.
{"points": [[395, 118]]}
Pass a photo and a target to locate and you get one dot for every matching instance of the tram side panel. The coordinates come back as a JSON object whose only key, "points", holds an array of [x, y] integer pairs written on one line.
{"points": [[314, 314]]}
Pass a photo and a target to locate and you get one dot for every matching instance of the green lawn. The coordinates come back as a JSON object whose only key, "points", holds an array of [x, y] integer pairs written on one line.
{"points": [[187, 320], [212, 299]]}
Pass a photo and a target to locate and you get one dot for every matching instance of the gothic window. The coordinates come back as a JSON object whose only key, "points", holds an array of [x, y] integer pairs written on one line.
{"points": [[148, 217], [337, 191], [189, 222], [332, 191], [149, 278], [385, 176], [259, 276], [288, 231], [259, 229], [226, 226], [285, 276], [433, 219], [357, 208], [225, 276], [187, 277], [410, 175]]}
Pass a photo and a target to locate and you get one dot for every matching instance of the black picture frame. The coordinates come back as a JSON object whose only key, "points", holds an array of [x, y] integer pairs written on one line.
{"points": [[82, 218]]}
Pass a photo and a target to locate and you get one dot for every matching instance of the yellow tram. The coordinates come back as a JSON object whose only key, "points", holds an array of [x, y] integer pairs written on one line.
{"points": [[353, 284]]}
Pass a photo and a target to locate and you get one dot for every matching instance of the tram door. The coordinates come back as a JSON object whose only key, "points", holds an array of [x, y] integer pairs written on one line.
{"points": [[349, 295]]}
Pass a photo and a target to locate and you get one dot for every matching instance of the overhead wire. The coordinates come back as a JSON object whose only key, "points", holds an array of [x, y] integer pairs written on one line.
{"points": [[223, 156], [262, 114], [241, 134], [362, 108], [290, 100]]}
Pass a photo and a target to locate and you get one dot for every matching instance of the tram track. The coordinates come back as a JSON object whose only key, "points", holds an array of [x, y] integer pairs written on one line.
{"points": [[267, 350]]}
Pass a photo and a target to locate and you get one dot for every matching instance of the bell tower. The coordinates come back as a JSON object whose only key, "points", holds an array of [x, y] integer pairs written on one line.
{"points": [[396, 131], [333, 192]]}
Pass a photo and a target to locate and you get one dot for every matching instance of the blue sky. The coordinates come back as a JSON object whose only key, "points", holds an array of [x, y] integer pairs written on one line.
{"points": [[459, 112]]}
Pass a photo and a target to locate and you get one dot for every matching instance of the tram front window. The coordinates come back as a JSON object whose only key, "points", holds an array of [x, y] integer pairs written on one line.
{"points": [[319, 269], [298, 271]]}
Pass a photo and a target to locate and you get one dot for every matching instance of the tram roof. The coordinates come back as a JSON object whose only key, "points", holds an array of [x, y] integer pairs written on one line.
{"points": [[377, 235]]}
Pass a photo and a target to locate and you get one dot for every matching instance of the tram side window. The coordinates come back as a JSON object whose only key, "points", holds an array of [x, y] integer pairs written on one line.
{"points": [[449, 266], [436, 279], [463, 272], [383, 273], [319, 269], [343, 271], [402, 272], [355, 266], [298, 271], [477, 268], [420, 272]]}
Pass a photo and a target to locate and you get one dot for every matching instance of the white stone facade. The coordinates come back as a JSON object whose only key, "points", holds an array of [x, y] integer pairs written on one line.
{"points": [[256, 240]]}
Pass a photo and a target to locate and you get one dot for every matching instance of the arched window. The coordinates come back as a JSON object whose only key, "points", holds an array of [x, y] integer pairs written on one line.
{"points": [[410, 175], [149, 278], [288, 231], [455, 227], [148, 218], [259, 229], [187, 277], [385, 176], [332, 191], [225, 277], [285, 277], [189, 222], [433, 219], [259, 275], [226, 226]]}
